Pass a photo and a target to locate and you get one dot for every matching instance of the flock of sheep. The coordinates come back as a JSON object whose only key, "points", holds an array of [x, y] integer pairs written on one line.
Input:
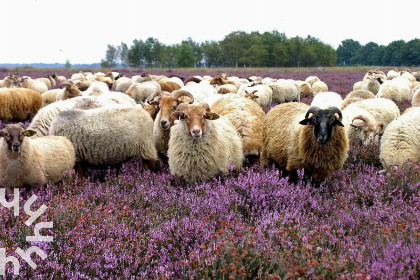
{"points": [[201, 126]]}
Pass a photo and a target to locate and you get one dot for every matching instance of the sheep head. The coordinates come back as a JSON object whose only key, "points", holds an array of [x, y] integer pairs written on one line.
{"points": [[251, 95], [14, 135], [72, 91], [195, 117], [168, 105], [369, 134], [323, 122]]}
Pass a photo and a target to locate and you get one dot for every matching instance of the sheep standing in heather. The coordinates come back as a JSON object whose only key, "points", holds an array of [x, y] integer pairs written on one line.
{"points": [[297, 136], [29, 162], [285, 91], [325, 100], [202, 144], [401, 140], [122, 84], [59, 79], [397, 89], [19, 104], [371, 84]]}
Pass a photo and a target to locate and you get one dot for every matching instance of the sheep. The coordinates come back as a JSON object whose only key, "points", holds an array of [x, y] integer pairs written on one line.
{"points": [[202, 92], [358, 85], [361, 126], [29, 162], [193, 79], [372, 84], [228, 88], [68, 92], [168, 86], [221, 80], [408, 76], [8, 82], [247, 117], [50, 96], [416, 75], [261, 94], [202, 144], [108, 135], [415, 102], [34, 85], [52, 81], [173, 79], [44, 80], [164, 121], [312, 79], [305, 88], [397, 89], [297, 136], [392, 74], [140, 78], [59, 79], [401, 140], [77, 76], [96, 89], [140, 92], [268, 80], [356, 95], [122, 84], [83, 85], [318, 87], [324, 100], [19, 104], [285, 91], [382, 109]]}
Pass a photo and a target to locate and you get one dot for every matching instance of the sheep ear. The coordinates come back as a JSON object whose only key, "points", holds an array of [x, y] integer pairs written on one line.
{"points": [[155, 102], [178, 115], [338, 122], [307, 121], [212, 116], [29, 132]]}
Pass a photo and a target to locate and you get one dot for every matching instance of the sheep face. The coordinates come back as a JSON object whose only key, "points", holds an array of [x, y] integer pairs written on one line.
{"points": [[251, 95], [14, 134], [72, 91], [369, 134], [195, 117], [323, 122]]}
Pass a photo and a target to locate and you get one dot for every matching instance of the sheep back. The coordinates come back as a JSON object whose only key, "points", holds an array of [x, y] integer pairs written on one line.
{"points": [[19, 103]]}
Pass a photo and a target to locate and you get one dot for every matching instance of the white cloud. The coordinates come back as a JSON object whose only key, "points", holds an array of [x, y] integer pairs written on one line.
{"points": [[52, 31]]}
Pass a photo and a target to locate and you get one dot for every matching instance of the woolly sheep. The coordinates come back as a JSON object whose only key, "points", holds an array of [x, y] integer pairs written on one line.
{"points": [[397, 89], [202, 144], [59, 79], [96, 89], [140, 92], [44, 80], [356, 95], [358, 85], [68, 92], [122, 84], [408, 76], [371, 85], [28, 162], [228, 88], [324, 100], [34, 85], [312, 79], [168, 86], [285, 91], [261, 94], [247, 117], [382, 109], [392, 74], [297, 136], [305, 88], [108, 135], [19, 104], [50, 96], [415, 102], [401, 140], [318, 87]]}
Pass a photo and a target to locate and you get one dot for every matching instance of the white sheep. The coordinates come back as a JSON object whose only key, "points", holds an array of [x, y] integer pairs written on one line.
{"points": [[29, 162], [415, 102], [261, 94], [318, 87], [312, 79], [202, 144], [96, 89], [34, 85], [392, 74], [401, 140], [285, 91], [397, 89], [122, 84], [382, 109], [324, 100]]}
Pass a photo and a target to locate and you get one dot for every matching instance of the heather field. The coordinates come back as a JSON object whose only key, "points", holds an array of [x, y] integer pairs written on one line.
{"points": [[251, 224]]}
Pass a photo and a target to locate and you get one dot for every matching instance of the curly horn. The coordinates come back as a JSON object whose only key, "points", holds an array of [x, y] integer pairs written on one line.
{"points": [[335, 110], [364, 119], [153, 96], [312, 110], [180, 93]]}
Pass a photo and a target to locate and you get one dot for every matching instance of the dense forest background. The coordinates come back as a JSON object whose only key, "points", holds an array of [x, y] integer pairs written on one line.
{"points": [[268, 49]]}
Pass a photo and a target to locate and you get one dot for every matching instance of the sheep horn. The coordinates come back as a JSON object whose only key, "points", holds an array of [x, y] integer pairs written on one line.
{"points": [[255, 91], [153, 96], [180, 93], [364, 119], [336, 110], [312, 110]]}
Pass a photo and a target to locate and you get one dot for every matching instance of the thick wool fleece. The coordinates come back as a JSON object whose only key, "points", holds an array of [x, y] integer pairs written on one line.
{"points": [[18, 103]]}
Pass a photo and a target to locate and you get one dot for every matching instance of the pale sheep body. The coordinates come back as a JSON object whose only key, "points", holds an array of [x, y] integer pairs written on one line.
{"points": [[141, 91], [201, 159], [318, 87], [34, 85], [228, 88], [50, 96], [382, 109], [324, 100], [285, 91], [392, 74], [107, 135], [358, 85], [401, 140], [122, 84], [371, 85], [397, 89], [39, 161], [415, 102], [264, 94], [312, 79], [96, 89], [356, 95]]}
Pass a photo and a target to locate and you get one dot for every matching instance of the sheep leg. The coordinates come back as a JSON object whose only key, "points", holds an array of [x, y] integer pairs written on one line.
{"points": [[79, 168]]}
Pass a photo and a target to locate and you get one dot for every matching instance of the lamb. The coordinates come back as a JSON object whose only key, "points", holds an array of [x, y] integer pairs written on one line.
{"points": [[356, 95], [140, 92], [261, 94], [312, 79], [318, 87], [324, 100], [247, 117], [415, 102], [34, 85], [108, 135], [202, 144], [401, 140], [59, 79], [122, 84], [164, 121], [29, 162], [70, 91], [285, 91], [397, 89], [19, 104], [297, 136]]}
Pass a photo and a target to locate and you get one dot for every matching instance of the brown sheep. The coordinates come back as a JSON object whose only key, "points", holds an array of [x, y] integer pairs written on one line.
{"points": [[219, 80], [356, 95], [19, 104], [193, 79], [169, 86]]}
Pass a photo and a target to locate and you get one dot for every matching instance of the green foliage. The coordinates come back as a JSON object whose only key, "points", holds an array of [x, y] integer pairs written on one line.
{"points": [[68, 64]]}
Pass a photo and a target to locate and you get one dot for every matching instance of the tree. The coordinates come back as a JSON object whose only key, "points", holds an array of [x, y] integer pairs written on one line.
{"points": [[111, 56], [184, 55], [212, 53], [122, 51], [346, 50], [68, 64]]}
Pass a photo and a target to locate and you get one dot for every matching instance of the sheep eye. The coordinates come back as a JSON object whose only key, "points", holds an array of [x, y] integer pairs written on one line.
{"points": [[174, 107]]}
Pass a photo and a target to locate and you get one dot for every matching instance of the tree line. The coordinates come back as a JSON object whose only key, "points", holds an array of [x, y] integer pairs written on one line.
{"points": [[254, 49]]}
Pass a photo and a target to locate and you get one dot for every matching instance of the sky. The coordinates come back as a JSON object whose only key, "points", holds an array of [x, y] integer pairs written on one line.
{"points": [[50, 31]]}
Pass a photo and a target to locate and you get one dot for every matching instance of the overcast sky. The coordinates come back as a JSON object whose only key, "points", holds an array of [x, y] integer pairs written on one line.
{"points": [[53, 30]]}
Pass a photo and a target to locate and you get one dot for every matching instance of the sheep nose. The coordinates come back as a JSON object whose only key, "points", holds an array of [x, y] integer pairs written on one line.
{"points": [[16, 147], [163, 123], [196, 131]]}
